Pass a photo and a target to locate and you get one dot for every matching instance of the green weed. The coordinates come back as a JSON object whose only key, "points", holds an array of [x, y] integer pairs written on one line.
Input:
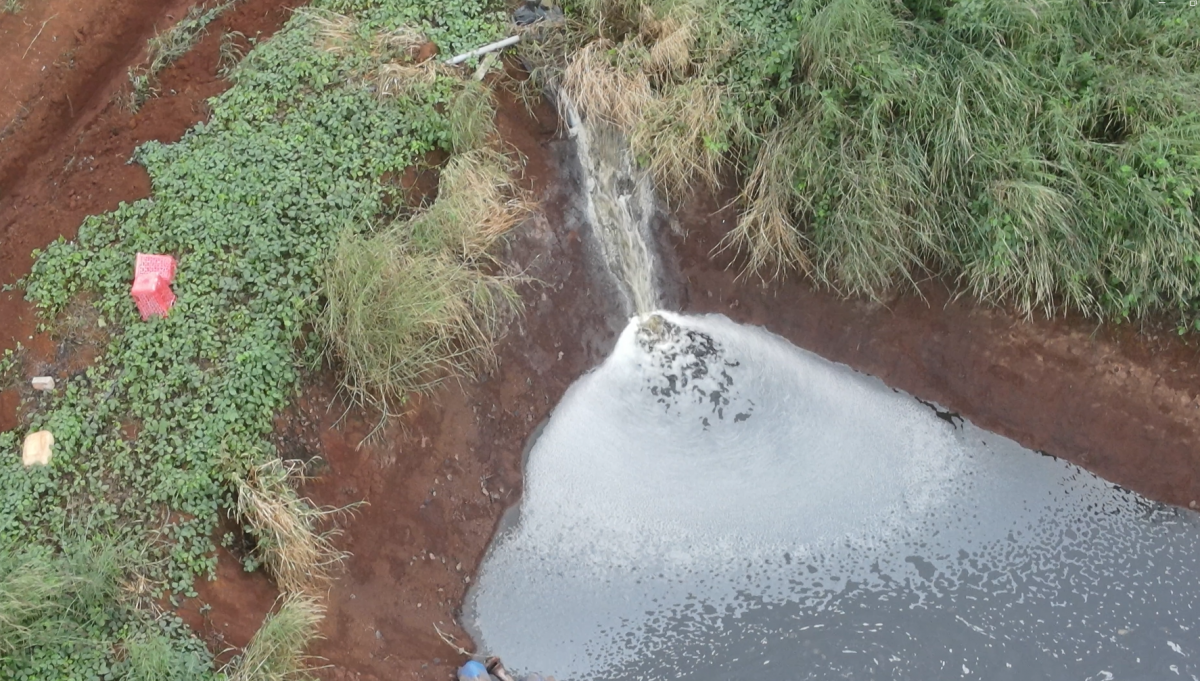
{"points": [[155, 654], [231, 51], [10, 365], [13, 6]]}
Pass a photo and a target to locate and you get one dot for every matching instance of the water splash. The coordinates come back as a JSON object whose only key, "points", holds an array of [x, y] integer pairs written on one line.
{"points": [[620, 206], [714, 503]]}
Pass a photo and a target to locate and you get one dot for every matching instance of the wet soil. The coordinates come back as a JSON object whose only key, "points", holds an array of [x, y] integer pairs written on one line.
{"points": [[435, 483], [1121, 401]]}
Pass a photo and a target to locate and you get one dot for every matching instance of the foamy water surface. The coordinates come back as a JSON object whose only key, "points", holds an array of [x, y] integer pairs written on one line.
{"points": [[715, 503]]}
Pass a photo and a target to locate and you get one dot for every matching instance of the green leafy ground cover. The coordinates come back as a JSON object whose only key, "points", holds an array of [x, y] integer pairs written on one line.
{"points": [[1044, 152], [150, 439]]}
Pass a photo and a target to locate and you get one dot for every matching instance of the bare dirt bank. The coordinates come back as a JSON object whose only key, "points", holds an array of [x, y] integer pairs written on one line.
{"points": [[1118, 401]]}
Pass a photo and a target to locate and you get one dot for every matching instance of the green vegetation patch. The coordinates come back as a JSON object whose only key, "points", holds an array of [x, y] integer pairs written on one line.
{"points": [[1047, 153], [154, 441], [410, 305]]}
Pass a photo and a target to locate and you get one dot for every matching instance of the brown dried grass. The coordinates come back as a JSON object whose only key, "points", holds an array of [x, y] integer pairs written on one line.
{"points": [[300, 556], [603, 90], [765, 230]]}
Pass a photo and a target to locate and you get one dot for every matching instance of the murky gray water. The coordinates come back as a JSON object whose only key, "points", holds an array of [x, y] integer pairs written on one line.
{"points": [[714, 503]]}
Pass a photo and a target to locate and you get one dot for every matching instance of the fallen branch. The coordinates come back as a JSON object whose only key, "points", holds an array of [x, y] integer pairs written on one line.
{"points": [[449, 640]]}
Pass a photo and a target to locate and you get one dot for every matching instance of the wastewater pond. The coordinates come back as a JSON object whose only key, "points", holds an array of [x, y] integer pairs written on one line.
{"points": [[714, 503]]}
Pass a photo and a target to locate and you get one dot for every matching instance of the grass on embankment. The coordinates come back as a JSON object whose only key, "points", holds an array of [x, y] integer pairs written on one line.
{"points": [[276, 652], [1046, 153], [167, 431], [409, 305]]}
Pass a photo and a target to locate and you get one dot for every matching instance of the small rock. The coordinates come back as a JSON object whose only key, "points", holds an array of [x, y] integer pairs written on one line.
{"points": [[36, 450], [43, 383]]}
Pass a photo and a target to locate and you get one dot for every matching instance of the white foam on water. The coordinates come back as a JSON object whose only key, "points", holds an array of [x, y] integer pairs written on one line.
{"points": [[713, 502]]}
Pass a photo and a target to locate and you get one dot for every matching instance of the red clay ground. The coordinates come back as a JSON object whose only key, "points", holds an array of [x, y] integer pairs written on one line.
{"points": [[1121, 403]]}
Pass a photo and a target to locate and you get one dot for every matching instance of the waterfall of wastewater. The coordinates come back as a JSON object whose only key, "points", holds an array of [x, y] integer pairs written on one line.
{"points": [[714, 503], [620, 206]]}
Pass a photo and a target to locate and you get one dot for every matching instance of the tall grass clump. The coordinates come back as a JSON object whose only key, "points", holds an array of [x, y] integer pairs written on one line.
{"points": [[1044, 152], [75, 606], [419, 301], [287, 528], [276, 653], [49, 599]]}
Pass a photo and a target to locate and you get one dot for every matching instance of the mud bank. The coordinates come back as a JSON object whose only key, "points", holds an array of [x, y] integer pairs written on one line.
{"points": [[1117, 400]]}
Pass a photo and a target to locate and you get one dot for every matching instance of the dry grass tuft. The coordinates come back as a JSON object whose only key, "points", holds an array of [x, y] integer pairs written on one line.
{"points": [[410, 306], [478, 202], [603, 90], [276, 653], [335, 32], [401, 40], [298, 554], [765, 230], [671, 42], [682, 137], [678, 127], [400, 79]]}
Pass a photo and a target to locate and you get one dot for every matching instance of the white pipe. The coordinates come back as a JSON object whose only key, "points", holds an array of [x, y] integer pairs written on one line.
{"points": [[498, 45]]}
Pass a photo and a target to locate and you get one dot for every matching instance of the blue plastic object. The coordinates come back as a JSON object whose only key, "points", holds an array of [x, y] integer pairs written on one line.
{"points": [[472, 671]]}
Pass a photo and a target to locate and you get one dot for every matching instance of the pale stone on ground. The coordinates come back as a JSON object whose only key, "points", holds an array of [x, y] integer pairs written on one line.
{"points": [[37, 448]]}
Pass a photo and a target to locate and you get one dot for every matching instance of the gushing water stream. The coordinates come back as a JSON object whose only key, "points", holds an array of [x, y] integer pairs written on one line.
{"points": [[715, 503], [620, 205]]}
